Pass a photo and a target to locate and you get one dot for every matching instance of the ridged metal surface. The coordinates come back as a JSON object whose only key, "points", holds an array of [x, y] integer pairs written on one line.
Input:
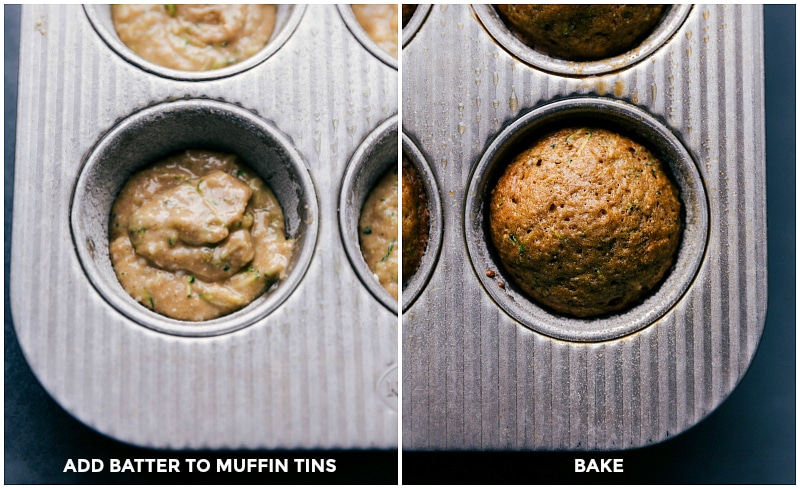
{"points": [[473, 378], [305, 376]]}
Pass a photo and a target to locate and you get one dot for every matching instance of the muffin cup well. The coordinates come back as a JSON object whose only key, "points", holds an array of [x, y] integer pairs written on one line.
{"points": [[646, 130], [665, 29], [153, 133], [415, 22], [286, 20], [355, 28], [416, 284], [376, 155]]}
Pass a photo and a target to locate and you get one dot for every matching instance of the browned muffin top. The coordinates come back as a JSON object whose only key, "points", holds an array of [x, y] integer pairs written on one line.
{"points": [[582, 32], [585, 221]]}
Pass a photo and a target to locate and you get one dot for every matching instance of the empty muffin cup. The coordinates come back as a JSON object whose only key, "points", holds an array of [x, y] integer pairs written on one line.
{"points": [[287, 17], [670, 22], [148, 136], [372, 160], [615, 116], [427, 263]]}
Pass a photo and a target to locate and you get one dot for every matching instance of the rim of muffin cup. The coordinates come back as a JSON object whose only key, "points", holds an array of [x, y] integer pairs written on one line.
{"points": [[147, 136], [416, 284], [667, 27], [645, 129], [415, 22], [349, 18], [374, 157], [287, 18]]}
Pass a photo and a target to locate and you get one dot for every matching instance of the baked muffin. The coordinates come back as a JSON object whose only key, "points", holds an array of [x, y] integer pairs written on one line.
{"points": [[581, 32], [415, 220], [585, 221], [408, 11]]}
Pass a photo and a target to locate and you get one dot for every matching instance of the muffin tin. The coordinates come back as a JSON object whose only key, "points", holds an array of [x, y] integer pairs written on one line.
{"points": [[313, 362], [414, 23], [485, 367]]}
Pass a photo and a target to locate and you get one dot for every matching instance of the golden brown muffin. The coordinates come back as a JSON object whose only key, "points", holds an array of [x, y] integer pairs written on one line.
{"points": [[408, 11], [378, 231], [585, 221], [582, 32], [415, 220]]}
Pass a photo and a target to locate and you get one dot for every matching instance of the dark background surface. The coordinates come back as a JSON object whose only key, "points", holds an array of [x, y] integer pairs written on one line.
{"points": [[750, 438]]}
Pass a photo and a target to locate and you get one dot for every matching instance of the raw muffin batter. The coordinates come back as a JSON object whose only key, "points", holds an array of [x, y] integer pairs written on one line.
{"points": [[415, 220], [585, 221], [380, 23], [582, 32], [377, 232], [408, 11], [197, 235], [194, 37]]}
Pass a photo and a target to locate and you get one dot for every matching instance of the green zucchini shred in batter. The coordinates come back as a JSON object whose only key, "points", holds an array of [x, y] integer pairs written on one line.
{"points": [[149, 298], [389, 250], [256, 272]]}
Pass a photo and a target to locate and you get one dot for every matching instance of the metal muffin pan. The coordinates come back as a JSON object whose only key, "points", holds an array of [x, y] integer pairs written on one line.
{"points": [[168, 128], [415, 22], [286, 19], [413, 288], [596, 112], [376, 156], [494, 371], [313, 363]]}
